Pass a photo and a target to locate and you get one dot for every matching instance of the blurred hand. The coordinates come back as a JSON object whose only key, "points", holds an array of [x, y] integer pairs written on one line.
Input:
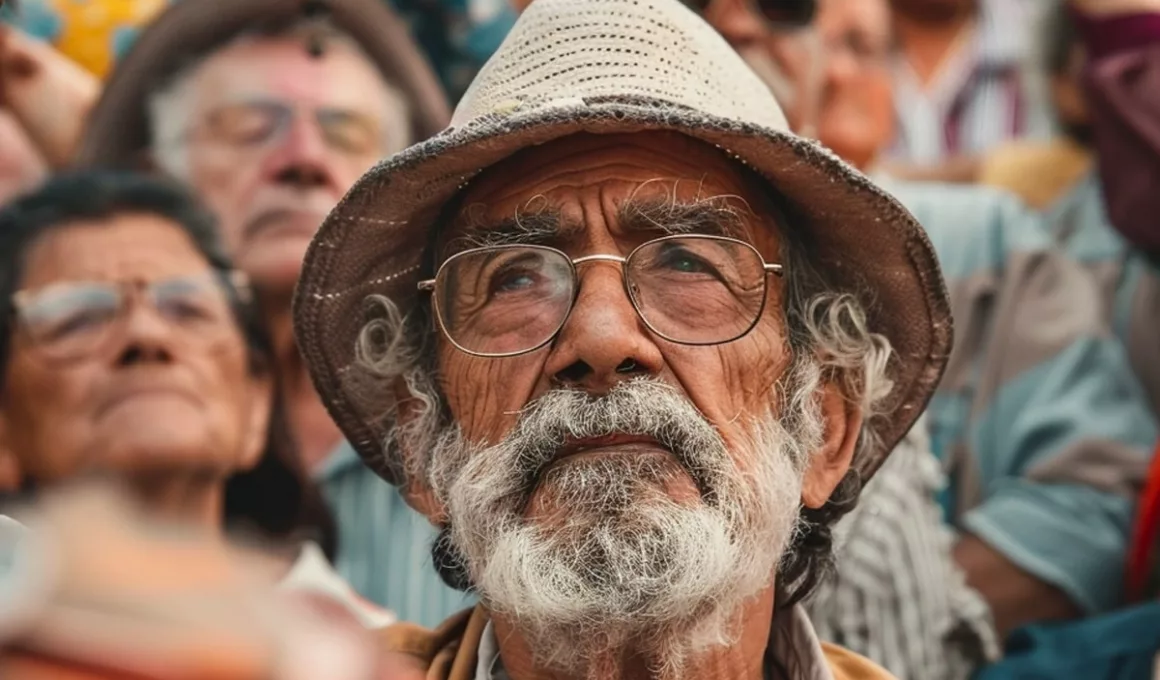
{"points": [[129, 598], [48, 93]]}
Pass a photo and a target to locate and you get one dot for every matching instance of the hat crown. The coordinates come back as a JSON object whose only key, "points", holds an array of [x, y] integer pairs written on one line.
{"points": [[564, 52]]}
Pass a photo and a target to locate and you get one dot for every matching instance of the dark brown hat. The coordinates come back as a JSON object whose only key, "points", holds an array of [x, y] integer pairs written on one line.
{"points": [[118, 128]]}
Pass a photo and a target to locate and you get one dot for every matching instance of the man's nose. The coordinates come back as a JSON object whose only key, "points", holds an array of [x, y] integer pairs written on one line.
{"points": [[604, 341], [146, 337], [302, 157]]}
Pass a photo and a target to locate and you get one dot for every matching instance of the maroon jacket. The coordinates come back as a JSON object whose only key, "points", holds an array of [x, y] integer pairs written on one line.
{"points": [[1122, 81]]}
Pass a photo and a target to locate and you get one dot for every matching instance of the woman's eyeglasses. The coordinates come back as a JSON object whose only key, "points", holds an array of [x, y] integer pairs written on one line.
{"points": [[502, 301], [70, 321]]}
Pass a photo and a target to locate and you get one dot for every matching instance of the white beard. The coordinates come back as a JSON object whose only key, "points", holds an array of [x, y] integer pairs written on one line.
{"points": [[624, 566]]}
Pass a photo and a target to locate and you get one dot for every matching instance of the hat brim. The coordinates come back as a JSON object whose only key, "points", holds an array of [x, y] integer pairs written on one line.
{"points": [[373, 242], [118, 133]]}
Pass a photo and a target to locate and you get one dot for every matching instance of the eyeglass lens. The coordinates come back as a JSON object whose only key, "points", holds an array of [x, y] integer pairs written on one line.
{"points": [[512, 299], [258, 122], [74, 319]]}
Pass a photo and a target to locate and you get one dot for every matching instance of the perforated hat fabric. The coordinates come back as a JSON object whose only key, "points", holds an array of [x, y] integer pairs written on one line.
{"points": [[602, 67]]}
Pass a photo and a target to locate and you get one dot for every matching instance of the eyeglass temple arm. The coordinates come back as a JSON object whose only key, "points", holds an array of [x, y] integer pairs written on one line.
{"points": [[775, 269], [426, 285]]}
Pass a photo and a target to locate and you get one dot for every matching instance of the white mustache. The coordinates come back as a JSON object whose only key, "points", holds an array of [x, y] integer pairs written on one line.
{"points": [[640, 407]]}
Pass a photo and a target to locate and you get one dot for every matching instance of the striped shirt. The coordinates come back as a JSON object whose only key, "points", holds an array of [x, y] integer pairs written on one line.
{"points": [[1042, 433], [987, 92], [897, 596], [384, 547]]}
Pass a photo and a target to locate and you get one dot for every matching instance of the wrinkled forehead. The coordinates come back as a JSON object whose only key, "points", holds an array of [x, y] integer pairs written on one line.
{"points": [[282, 69], [664, 181]]}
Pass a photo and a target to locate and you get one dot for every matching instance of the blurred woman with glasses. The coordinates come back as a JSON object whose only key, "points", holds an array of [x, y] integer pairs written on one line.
{"points": [[130, 349]]}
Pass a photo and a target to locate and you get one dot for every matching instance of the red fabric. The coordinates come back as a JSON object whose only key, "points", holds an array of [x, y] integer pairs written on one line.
{"points": [[1105, 36], [1146, 535]]}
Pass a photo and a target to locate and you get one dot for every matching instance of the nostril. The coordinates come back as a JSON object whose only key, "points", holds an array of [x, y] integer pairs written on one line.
{"points": [[301, 176], [628, 366], [574, 373]]}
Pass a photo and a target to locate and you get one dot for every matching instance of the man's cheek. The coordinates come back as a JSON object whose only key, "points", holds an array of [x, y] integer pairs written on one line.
{"points": [[485, 395]]}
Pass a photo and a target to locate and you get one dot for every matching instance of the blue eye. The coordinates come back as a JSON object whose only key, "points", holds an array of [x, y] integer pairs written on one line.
{"points": [[513, 281]]}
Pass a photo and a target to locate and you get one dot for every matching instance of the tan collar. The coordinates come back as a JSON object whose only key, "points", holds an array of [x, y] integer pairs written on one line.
{"points": [[452, 651]]}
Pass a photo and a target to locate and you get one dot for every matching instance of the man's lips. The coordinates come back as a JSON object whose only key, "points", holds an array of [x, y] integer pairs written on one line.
{"points": [[610, 442]]}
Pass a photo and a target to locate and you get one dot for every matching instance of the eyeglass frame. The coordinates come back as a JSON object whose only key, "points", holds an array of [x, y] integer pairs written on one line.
{"points": [[430, 285], [235, 285], [286, 113]]}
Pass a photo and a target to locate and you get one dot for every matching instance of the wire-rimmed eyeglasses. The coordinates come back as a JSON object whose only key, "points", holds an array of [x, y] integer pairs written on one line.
{"points": [[506, 300], [71, 320]]}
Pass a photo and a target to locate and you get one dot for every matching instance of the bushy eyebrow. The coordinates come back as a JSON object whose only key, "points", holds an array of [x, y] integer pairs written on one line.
{"points": [[542, 227], [663, 216], [718, 216]]}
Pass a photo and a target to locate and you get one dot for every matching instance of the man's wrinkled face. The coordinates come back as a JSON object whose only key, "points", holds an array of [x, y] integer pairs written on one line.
{"points": [[276, 138], [857, 115], [611, 478]]}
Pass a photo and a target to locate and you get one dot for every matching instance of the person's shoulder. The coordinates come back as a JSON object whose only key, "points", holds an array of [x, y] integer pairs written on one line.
{"points": [[846, 665], [410, 650]]}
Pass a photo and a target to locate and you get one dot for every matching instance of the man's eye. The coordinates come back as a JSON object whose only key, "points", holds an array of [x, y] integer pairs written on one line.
{"points": [[685, 262], [512, 281]]}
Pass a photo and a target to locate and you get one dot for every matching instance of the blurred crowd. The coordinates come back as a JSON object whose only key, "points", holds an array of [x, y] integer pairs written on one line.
{"points": [[165, 165]]}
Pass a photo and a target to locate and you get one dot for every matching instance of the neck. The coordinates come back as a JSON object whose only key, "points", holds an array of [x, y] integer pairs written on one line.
{"points": [[927, 40], [314, 430], [742, 659], [194, 500]]}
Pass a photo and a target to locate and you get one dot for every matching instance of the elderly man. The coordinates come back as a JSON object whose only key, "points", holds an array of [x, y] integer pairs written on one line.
{"points": [[632, 344], [270, 111], [1044, 431]]}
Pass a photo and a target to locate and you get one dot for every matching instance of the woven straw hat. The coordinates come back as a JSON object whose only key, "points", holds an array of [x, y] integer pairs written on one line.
{"points": [[612, 66], [117, 134]]}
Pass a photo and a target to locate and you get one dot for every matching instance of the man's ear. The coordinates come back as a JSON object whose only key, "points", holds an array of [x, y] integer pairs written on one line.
{"points": [[260, 397], [416, 490], [11, 476], [828, 465]]}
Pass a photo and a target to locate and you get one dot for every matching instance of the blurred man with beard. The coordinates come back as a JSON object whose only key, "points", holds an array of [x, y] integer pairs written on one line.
{"points": [[270, 112]]}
